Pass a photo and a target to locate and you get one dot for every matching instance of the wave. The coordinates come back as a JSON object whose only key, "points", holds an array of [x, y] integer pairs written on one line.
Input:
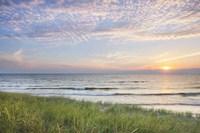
{"points": [[72, 88], [162, 94], [133, 94], [135, 81], [127, 94], [81, 88], [166, 104]]}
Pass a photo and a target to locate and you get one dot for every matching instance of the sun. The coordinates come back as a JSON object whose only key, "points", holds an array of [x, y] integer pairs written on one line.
{"points": [[166, 68]]}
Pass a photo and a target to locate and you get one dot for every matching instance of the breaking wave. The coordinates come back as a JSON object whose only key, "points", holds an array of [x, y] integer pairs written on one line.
{"points": [[73, 88]]}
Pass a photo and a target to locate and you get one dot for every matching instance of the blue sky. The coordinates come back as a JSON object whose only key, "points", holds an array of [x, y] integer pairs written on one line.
{"points": [[98, 35]]}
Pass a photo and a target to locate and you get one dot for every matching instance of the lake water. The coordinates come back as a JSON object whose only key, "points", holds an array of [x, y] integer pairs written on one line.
{"points": [[172, 92]]}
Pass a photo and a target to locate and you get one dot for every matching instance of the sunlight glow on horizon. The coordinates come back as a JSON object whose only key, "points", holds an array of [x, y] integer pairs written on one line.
{"points": [[166, 68]]}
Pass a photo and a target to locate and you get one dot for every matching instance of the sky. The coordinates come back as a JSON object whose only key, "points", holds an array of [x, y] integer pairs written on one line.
{"points": [[83, 36]]}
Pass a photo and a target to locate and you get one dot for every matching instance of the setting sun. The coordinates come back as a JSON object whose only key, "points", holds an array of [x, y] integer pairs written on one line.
{"points": [[166, 68]]}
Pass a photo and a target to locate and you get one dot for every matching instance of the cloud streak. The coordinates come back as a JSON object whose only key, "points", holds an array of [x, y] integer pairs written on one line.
{"points": [[81, 20], [180, 57], [16, 62]]}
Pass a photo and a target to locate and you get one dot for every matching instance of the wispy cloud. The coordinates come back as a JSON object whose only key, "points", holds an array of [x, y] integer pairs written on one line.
{"points": [[180, 57], [17, 62], [15, 57], [117, 61], [80, 20]]}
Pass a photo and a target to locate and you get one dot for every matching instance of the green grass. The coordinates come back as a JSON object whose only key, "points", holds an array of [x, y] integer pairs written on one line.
{"points": [[25, 113]]}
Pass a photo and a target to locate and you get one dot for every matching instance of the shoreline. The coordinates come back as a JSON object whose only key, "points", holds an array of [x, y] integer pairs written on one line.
{"points": [[174, 108], [26, 113]]}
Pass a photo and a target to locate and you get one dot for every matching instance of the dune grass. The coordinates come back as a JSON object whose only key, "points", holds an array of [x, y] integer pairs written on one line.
{"points": [[25, 113]]}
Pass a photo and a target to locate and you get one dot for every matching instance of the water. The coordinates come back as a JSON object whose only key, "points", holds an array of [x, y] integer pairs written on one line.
{"points": [[172, 92]]}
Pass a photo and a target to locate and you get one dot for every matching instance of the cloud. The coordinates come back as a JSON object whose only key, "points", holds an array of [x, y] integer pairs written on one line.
{"points": [[180, 57], [81, 20], [15, 57], [117, 61], [17, 62]]}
